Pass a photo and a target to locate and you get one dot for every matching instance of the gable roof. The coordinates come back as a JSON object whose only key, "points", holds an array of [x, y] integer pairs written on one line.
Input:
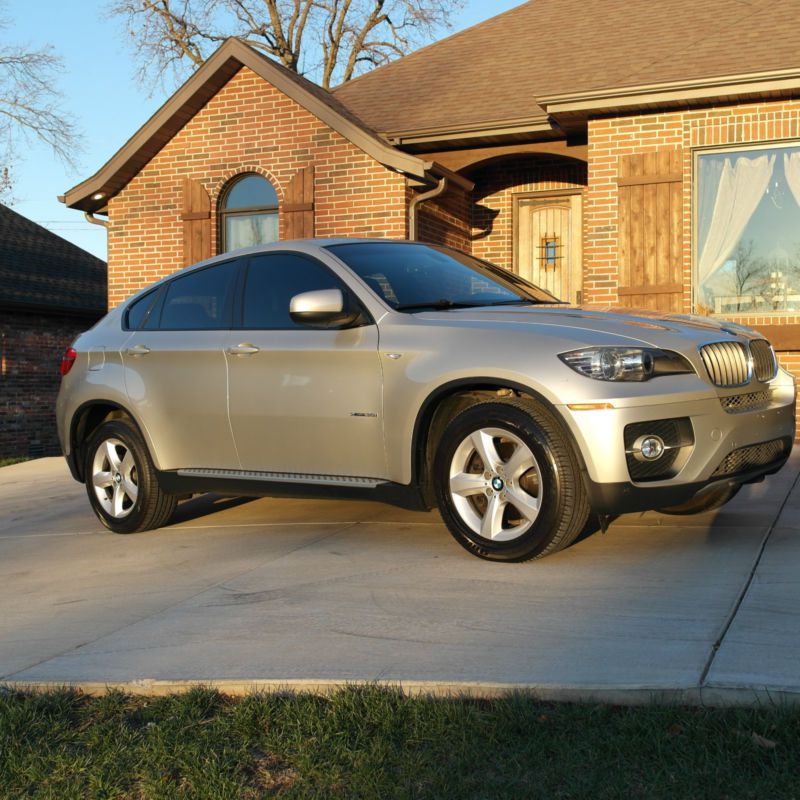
{"points": [[40, 270], [534, 72], [499, 70], [93, 193]]}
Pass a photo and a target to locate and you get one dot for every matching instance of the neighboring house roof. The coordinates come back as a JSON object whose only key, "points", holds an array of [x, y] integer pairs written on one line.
{"points": [[39, 269], [498, 71], [93, 193]]}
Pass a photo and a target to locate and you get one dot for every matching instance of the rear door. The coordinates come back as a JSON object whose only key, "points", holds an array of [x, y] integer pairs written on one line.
{"points": [[175, 370], [302, 399]]}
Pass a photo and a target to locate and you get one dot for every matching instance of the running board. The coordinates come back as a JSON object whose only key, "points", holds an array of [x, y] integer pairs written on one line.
{"points": [[283, 477]]}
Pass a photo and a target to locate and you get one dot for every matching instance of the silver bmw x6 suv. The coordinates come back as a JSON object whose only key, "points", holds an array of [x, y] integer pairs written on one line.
{"points": [[420, 375]]}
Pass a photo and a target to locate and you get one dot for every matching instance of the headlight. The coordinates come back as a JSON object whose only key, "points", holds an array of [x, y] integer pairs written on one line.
{"points": [[625, 363]]}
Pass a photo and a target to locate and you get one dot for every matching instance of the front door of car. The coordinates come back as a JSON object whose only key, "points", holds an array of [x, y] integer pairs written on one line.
{"points": [[175, 370], [303, 400]]}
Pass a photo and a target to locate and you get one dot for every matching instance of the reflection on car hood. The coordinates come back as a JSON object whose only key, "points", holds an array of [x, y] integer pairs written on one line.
{"points": [[655, 328]]}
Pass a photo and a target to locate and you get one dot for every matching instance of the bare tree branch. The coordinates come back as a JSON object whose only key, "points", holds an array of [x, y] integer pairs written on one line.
{"points": [[330, 40], [30, 107]]}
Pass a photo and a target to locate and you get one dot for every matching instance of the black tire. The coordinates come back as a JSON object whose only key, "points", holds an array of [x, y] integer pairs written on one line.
{"points": [[151, 507], [563, 508], [704, 501]]}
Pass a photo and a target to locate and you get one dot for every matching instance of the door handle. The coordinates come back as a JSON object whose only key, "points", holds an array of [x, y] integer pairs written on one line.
{"points": [[243, 349], [138, 350]]}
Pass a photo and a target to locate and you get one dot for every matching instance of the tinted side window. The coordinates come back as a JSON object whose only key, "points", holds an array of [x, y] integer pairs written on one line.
{"points": [[273, 280], [199, 300], [137, 312]]}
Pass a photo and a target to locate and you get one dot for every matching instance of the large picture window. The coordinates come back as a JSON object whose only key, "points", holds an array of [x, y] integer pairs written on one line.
{"points": [[747, 232], [248, 213]]}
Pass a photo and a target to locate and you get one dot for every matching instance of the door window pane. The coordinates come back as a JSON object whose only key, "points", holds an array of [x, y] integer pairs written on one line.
{"points": [[199, 300], [273, 280], [748, 231]]}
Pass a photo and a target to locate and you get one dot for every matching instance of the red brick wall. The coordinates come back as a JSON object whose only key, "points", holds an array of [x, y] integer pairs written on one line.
{"points": [[493, 199], [247, 126], [611, 138], [31, 346]]}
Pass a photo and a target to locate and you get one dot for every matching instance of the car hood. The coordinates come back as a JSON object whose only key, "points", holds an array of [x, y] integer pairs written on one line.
{"points": [[593, 326]]}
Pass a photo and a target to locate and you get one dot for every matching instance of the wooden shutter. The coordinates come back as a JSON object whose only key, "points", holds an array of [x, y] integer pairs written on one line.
{"points": [[298, 207], [196, 222], [651, 230]]}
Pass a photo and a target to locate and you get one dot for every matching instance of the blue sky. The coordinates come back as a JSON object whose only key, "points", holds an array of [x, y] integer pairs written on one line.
{"points": [[100, 89]]}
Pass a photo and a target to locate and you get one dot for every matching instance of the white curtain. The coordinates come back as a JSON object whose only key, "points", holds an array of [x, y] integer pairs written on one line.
{"points": [[741, 188], [244, 230], [791, 168]]}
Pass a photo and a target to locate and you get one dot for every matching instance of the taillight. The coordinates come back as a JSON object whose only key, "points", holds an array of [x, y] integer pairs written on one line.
{"points": [[67, 360]]}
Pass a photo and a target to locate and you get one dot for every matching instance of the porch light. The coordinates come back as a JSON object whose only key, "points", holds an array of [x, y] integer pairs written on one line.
{"points": [[98, 196]]}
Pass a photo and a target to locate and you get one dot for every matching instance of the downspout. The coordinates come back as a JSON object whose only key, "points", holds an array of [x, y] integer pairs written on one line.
{"points": [[90, 217], [441, 188]]}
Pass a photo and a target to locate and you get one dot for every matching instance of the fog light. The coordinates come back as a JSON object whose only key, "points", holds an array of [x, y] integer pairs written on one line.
{"points": [[648, 448]]}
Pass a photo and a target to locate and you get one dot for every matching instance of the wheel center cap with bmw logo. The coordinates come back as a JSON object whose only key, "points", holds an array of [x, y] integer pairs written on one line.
{"points": [[497, 484]]}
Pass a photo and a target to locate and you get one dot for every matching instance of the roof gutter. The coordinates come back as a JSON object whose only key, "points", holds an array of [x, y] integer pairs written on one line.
{"points": [[444, 179], [672, 92], [540, 124], [90, 217], [435, 170], [440, 189]]}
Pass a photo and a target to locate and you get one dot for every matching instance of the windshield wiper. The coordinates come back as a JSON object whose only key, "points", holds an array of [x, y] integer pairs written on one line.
{"points": [[444, 304], [435, 305]]}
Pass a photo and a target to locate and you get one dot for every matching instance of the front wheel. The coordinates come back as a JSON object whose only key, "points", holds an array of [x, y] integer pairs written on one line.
{"points": [[508, 483], [121, 480]]}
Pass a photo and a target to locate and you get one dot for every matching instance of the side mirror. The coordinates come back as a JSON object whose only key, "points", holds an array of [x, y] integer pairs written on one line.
{"points": [[324, 308]]}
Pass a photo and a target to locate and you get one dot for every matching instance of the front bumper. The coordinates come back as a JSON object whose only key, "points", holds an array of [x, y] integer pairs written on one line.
{"points": [[627, 497], [599, 435]]}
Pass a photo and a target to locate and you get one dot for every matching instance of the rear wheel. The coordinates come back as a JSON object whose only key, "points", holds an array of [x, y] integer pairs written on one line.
{"points": [[121, 480], [704, 501], [508, 483]]}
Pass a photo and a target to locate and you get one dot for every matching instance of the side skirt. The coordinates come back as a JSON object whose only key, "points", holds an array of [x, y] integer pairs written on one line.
{"points": [[269, 484]]}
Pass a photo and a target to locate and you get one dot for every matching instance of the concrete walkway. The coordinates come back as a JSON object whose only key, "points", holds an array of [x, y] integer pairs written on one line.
{"points": [[315, 593]]}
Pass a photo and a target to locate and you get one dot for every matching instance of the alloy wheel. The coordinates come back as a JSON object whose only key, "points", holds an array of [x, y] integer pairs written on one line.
{"points": [[114, 478], [496, 484]]}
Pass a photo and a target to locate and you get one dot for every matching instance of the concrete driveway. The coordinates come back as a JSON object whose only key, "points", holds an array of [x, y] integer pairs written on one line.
{"points": [[308, 593]]}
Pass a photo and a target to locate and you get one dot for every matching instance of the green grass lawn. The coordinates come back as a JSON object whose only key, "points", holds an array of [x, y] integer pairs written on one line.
{"points": [[7, 462], [373, 743]]}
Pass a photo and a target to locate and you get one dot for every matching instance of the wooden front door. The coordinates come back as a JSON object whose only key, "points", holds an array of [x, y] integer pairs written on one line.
{"points": [[549, 251]]}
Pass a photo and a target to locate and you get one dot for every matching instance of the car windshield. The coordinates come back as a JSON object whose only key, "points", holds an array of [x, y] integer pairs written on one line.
{"points": [[416, 277]]}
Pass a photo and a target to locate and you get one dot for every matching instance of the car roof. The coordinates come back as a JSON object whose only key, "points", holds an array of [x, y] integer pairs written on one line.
{"points": [[296, 245]]}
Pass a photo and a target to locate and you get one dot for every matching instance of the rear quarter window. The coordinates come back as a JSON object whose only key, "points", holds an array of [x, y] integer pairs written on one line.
{"points": [[138, 311]]}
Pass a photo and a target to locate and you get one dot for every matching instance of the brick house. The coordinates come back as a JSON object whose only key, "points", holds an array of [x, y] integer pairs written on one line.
{"points": [[617, 153], [50, 291]]}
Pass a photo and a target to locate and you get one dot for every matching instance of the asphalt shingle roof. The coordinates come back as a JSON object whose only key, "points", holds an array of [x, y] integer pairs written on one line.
{"points": [[495, 70], [39, 269]]}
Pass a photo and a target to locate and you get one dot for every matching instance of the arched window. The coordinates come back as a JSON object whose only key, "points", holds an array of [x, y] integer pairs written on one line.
{"points": [[248, 212]]}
